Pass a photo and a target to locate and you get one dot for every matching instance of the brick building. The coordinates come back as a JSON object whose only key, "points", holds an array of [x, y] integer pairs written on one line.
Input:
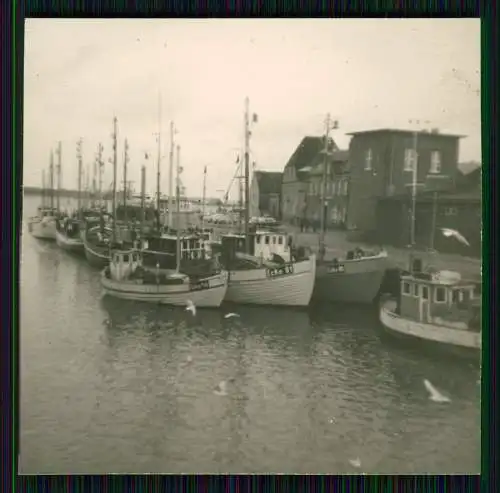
{"points": [[381, 165], [336, 189], [458, 209], [295, 184]]}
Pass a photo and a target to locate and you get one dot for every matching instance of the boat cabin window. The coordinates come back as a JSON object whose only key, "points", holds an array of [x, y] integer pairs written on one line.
{"points": [[406, 288], [280, 240], [440, 295], [257, 240], [425, 292], [274, 240], [267, 240], [125, 257]]}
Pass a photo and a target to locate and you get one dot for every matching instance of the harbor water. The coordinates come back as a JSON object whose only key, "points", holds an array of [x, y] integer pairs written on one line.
{"points": [[109, 386]]}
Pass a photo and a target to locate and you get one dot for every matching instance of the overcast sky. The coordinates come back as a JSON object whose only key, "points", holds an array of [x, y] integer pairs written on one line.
{"points": [[368, 73]]}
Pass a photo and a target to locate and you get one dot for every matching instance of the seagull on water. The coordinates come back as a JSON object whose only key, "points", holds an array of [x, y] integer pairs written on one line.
{"points": [[231, 315], [190, 307], [221, 388], [434, 394], [455, 234], [355, 462]]}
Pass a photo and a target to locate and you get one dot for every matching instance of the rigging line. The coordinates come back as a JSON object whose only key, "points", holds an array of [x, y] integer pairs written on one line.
{"points": [[238, 171]]}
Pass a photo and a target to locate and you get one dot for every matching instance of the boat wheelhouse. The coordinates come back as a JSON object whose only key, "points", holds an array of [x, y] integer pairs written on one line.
{"points": [[436, 306], [43, 225], [68, 234]]}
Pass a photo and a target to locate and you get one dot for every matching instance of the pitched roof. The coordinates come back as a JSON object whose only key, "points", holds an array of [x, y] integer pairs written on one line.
{"points": [[306, 151], [269, 181], [403, 131]]}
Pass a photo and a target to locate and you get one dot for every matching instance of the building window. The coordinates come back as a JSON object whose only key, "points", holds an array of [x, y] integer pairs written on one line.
{"points": [[406, 288], [368, 160], [435, 162], [257, 240], [410, 159], [450, 211], [415, 290], [280, 240], [440, 295], [267, 240], [425, 292]]}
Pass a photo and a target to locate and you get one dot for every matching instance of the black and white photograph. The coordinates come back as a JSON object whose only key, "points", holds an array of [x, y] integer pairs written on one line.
{"points": [[251, 246]]}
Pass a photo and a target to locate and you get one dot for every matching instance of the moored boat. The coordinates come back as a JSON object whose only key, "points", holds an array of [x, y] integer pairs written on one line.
{"points": [[126, 278], [43, 225], [68, 235], [354, 279], [264, 278], [437, 307]]}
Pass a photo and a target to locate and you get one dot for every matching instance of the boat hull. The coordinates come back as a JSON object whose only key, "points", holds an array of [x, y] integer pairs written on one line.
{"points": [[97, 257], [260, 287], [210, 296], [43, 229], [74, 245], [457, 338], [353, 281]]}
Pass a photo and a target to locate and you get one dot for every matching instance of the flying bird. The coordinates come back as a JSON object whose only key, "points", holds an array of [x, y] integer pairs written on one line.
{"points": [[231, 315], [455, 234], [434, 394], [190, 307]]}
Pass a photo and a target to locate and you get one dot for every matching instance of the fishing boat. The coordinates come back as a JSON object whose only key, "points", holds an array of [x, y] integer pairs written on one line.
{"points": [[43, 225], [435, 306], [255, 275], [68, 234], [260, 276], [126, 278], [131, 276]]}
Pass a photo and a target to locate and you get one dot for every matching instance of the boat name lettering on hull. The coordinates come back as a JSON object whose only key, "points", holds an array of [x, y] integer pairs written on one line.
{"points": [[279, 271], [198, 286]]}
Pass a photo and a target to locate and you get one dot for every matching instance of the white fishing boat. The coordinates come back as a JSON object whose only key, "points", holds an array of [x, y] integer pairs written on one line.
{"points": [[126, 278], [437, 307], [263, 277], [43, 225]]}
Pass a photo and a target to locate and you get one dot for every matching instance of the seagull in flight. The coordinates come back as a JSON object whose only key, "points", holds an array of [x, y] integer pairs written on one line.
{"points": [[434, 394], [449, 233], [190, 307], [231, 315]]}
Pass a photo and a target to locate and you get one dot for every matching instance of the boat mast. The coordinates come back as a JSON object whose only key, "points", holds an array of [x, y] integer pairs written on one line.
{"points": [[125, 161], [43, 188], [247, 172], [59, 152], [158, 222], [143, 196], [321, 249], [203, 199], [51, 179], [100, 149], [115, 164], [171, 175], [79, 157], [177, 207], [94, 183]]}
